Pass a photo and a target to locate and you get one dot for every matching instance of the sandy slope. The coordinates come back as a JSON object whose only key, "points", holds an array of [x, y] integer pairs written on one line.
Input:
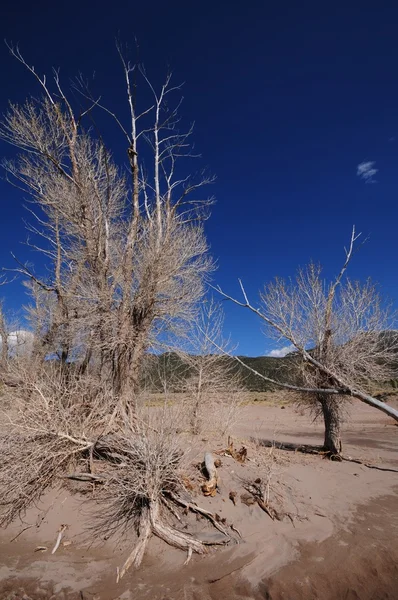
{"points": [[340, 542]]}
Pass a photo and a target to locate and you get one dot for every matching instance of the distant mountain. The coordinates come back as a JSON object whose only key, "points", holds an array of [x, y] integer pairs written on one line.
{"points": [[171, 368], [281, 369]]}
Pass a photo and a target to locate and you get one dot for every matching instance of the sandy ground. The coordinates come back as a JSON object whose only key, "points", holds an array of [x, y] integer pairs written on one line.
{"points": [[339, 540]]}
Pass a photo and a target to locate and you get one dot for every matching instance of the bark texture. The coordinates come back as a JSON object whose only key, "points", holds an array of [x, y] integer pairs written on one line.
{"points": [[332, 421]]}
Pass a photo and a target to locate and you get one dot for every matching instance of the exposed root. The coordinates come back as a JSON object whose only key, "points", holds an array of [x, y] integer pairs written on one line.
{"points": [[172, 536], [171, 508], [136, 556], [367, 465], [303, 448], [239, 568], [201, 511], [20, 533], [257, 492], [189, 556], [151, 523], [271, 512], [236, 530]]}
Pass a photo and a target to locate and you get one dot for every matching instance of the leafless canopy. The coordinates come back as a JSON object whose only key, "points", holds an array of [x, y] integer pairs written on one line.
{"points": [[125, 248], [213, 386], [343, 334]]}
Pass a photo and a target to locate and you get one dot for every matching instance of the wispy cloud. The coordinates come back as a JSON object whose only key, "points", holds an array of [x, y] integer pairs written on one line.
{"points": [[366, 171], [281, 352]]}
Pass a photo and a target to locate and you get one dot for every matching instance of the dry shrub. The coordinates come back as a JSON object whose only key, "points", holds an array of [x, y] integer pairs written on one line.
{"points": [[49, 427], [271, 463], [146, 485], [212, 413], [212, 386], [147, 461], [56, 430]]}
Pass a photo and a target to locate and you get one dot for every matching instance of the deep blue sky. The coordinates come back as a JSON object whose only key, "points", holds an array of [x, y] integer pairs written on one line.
{"points": [[288, 98]]}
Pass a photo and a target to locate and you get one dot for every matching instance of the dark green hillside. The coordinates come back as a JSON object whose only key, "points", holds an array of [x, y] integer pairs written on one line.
{"points": [[281, 369], [169, 367]]}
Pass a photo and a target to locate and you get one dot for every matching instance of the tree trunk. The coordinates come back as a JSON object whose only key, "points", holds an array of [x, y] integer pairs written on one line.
{"points": [[4, 340], [332, 420], [198, 398], [127, 370]]}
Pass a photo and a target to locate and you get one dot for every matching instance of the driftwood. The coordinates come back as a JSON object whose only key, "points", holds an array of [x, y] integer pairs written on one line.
{"points": [[59, 538], [239, 455], [232, 497], [209, 488]]}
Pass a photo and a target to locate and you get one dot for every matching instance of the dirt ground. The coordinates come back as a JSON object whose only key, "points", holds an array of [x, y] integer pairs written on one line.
{"points": [[338, 539]]}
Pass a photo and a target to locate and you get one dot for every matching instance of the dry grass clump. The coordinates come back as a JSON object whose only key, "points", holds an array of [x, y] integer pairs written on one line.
{"points": [[214, 413]]}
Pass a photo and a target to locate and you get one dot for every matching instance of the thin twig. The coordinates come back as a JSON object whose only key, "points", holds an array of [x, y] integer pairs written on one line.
{"points": [[18, 534]]}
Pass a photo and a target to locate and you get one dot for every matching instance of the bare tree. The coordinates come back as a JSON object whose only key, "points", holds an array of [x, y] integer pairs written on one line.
{"points": [[4, 328], [128, 254], [127, 261], [3, 339], [343, 334], [213, 386]]}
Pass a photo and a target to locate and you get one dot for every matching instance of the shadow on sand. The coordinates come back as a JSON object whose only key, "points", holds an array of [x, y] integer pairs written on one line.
{"points": [[292, 447]]}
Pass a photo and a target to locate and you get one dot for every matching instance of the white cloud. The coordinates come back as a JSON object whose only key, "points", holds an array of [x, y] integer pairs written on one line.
{"points": [[366, 171], [281, 352]]}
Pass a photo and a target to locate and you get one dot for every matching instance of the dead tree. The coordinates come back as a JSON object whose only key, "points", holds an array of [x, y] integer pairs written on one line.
{"points": [[128, 255], [343, 335], [3, 339], [211, 382]]}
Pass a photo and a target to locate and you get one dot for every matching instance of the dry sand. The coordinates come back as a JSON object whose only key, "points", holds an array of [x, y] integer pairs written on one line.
{"points": [[340, 542]]}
